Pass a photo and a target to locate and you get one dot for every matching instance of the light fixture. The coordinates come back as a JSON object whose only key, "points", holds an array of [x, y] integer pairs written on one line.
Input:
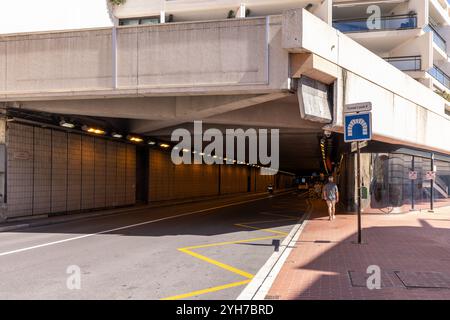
{"points": [[135, 139], [93, 130], [185, 150], [202, 153], [65, 124], [151, 142], [164, 145], [116, 135]]}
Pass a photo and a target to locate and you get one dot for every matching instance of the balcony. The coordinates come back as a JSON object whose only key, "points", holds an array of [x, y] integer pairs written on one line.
{"points": [[413, 63], [437, 38], [440, 76], [399, 22]]}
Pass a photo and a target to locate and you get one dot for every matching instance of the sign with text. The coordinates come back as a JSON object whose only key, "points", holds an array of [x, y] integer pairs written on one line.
{"points": [[358, 107]]}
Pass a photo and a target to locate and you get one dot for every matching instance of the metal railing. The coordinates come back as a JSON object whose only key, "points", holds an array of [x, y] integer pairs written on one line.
{"points": [[437, 38], [398, 22], [412, 63], [440, 76]]}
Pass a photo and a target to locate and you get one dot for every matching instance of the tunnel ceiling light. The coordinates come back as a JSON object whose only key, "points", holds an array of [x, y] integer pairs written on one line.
{"points": [[175, 148], [135, 139], [93, 130], [194, 151], [151, 142], [65, 124], [164, 145], [185, 150], [116, 135], [202, 153]]}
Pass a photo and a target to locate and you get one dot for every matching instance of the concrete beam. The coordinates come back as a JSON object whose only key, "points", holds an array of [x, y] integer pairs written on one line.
{"points": [[130, 108], [202, 107], [314, 67]]}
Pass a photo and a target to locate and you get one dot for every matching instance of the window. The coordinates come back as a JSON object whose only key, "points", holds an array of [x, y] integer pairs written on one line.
{"points": [[139, 21]]}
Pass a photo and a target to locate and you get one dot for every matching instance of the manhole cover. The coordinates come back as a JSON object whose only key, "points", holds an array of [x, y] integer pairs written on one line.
{"points": [[359, 279], [424, 279]]}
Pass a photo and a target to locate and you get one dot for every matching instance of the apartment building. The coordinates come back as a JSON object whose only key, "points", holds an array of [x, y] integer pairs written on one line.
{"points": [[411, 34]]}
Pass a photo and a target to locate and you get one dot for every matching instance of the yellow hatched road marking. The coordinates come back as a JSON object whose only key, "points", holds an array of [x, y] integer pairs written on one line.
{"points": [[249, 276], [266, 221], [218, 263], [262, 229], [279, 215], [228, 242], [208, 290]]}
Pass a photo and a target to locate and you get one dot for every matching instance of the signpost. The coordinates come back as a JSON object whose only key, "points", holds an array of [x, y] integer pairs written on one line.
{"points": [[412, 176], [432, 176], [358, 129]]}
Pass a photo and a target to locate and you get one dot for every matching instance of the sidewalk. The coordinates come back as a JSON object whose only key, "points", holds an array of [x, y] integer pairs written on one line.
{"points": [[412, 251]]}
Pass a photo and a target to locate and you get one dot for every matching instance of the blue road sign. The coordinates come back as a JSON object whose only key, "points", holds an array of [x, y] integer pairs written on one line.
{"points": [[358, 127]]}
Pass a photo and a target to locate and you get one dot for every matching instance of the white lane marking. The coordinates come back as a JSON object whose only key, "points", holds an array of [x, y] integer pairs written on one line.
{"points": [[128, 226]]}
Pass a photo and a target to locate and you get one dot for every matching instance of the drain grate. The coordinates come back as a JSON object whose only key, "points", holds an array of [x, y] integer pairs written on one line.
{"points": [[436, 280], [359, 279]]}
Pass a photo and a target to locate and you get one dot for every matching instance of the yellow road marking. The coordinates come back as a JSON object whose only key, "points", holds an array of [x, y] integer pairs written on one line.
{"points": [[262, 229], [208, 290], [266, 221], [279, 215], [218, 263], [228, 242], [249, 276]]}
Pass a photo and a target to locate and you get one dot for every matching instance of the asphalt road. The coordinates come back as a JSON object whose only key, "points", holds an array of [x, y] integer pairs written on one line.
{"points": [[205, 250]]}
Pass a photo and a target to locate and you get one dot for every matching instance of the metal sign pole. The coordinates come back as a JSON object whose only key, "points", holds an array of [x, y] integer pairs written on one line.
{"points": [[432, 185], [358, 160], [412, 185]]}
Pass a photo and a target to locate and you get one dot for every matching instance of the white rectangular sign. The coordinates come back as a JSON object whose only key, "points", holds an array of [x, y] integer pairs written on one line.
{"points": [[431, 175], [358, 107], [362, 144], [412, 175]]}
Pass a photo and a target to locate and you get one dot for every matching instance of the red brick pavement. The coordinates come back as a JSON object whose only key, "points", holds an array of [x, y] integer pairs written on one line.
{"points": [[324, 256]]}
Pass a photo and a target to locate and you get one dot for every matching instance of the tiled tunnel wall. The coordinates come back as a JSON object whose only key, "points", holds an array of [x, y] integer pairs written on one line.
{"points": [[168, 181], [52, 171]]}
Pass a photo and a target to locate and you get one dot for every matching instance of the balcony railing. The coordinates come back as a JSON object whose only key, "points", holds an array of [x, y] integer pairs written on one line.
{"points": [[440, 76], [386, 23], [437, 38], [412, 63]]}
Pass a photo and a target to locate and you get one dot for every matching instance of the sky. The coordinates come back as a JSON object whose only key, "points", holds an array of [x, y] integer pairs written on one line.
{"points": [[43, 15]]}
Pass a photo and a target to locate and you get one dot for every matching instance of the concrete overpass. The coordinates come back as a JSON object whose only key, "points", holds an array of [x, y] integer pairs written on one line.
{"points": [[228, 73]]}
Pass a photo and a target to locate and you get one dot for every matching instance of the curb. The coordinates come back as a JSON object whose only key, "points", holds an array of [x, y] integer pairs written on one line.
{"points": [[260, 285]]}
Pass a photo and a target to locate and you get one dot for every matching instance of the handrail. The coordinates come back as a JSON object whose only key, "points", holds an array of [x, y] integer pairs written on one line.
{"points": [[437, 38], [394, 22], [406, 63], [440, 76]]}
